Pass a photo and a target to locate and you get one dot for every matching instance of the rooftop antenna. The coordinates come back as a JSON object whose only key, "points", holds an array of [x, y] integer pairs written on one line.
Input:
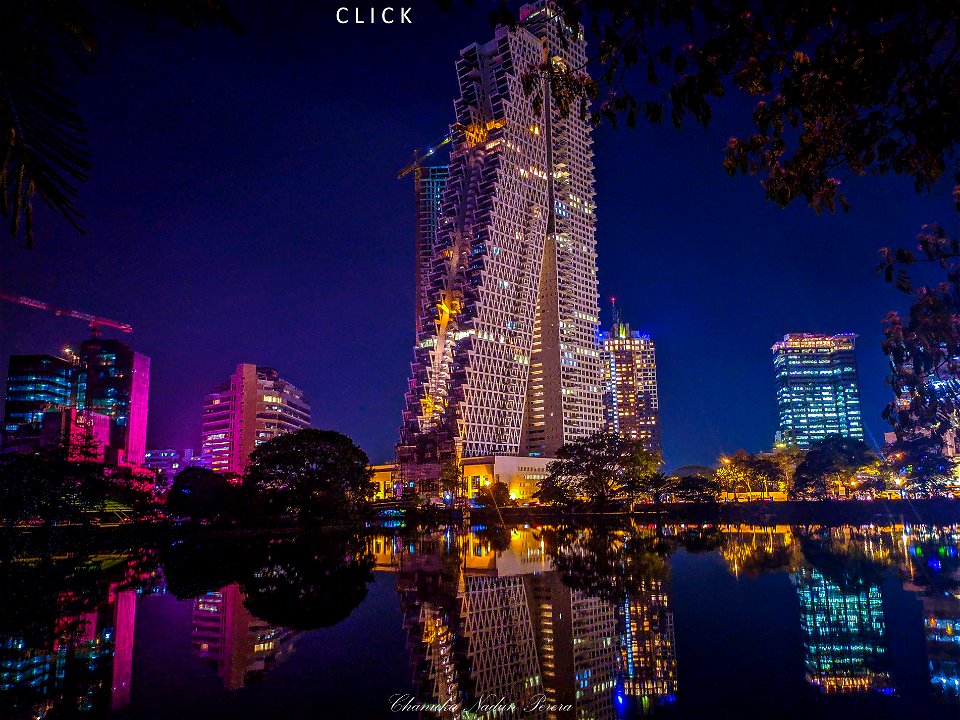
{"points": [[616, 313]]}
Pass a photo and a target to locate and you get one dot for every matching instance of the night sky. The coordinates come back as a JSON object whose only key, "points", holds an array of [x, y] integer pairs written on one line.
{"points": [[243, 207]]}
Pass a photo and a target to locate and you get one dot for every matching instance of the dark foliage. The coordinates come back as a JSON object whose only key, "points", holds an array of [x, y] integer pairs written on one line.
{"points": [[830, 463], [198, 493], [310, 474]]}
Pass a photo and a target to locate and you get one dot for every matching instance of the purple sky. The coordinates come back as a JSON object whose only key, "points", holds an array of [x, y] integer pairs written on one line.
{"points": [[244, 208]]}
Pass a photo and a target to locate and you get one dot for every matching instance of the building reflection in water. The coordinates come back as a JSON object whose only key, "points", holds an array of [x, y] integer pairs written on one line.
{"points": [[649, 662], [844, 634], [84, 665], [485, 623], [932, 568], [241, 647]]}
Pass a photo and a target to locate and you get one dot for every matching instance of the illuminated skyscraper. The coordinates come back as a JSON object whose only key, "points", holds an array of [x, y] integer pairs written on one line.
{"points": [[817, 390], [630, 386], [114, 380], [506, 361], [254, 406], [430, 183], [844, 635]]}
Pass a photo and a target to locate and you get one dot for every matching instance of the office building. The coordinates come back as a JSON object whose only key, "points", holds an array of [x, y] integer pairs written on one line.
{"points": [[630, 398], [36, 384], [506, 362], [252, 407], [114, 380], [817, 390]]}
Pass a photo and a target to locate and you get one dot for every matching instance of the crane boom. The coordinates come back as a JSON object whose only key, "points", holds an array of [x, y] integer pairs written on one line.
{"points": [[418, 158], [95, 321]]}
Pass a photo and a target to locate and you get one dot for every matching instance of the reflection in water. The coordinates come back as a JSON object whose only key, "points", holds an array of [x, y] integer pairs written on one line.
{"points": [[559, 622], [66, 632], [487, 625], [933, 569], [240, 646], [843, 634]]}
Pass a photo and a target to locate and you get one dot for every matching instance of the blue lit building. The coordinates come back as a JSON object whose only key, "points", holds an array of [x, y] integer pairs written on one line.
{"points": [[36, 384], [817, 390]]}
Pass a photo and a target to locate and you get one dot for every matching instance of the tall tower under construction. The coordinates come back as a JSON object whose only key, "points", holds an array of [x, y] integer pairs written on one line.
{"points": [[506, 360]]}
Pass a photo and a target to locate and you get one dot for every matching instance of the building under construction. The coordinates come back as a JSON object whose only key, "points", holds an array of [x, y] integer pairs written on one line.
{"points": [[505, 361]]}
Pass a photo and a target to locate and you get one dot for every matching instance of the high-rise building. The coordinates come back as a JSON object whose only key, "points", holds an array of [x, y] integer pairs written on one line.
{"points": [[254, 406], [506, 362], [817, 390], [36, 384], [114, 380], [430, 183], [630, 397]]}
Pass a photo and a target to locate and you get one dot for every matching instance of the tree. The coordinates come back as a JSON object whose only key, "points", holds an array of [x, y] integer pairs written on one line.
{"points": [[831, 465], [602, 469], [496, 495], [311, 474], [42, 135], [921, 464], [451, 479], [198, 493], [48, 486], [746, 473], [697, 489], [658, 487]]}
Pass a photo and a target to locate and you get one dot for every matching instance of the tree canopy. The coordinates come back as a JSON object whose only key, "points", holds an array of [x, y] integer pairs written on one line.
{"points": [[602, 469], [831, 464], [310, 474]]}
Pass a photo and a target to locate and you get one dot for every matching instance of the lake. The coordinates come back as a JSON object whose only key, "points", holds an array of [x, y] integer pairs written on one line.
{"points": [[625, 621]]}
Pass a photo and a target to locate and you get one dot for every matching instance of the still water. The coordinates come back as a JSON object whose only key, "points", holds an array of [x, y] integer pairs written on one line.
{"points": [[539, 622]]}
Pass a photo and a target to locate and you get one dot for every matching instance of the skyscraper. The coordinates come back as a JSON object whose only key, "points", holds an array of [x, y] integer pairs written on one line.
{"points": [[36, 384], [506, 361], [254, 406], [430, 182], [817, 391], [630, 386], [114, 380]]}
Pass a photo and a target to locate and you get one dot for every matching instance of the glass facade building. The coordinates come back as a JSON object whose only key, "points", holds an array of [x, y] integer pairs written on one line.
{"points": [[114, 380], [36, 384], [817, 390]]}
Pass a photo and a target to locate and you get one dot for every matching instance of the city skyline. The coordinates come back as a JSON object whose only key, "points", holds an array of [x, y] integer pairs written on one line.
{"points": [[705, 242]]}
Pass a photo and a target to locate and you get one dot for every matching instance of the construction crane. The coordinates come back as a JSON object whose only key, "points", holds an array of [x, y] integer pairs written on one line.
{"points": [[418, 159], [95, 322]]}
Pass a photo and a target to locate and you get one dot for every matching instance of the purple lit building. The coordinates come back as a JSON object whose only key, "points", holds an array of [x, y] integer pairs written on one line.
{"points": [[114, 380]]}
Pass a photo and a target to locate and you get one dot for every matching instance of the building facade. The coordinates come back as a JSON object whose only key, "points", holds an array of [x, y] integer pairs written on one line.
{"points": [[114, 380], [36, 384], [430, 184], [254, 406], [506, 362], [168, 462], [817, 390], [631, 400]]}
